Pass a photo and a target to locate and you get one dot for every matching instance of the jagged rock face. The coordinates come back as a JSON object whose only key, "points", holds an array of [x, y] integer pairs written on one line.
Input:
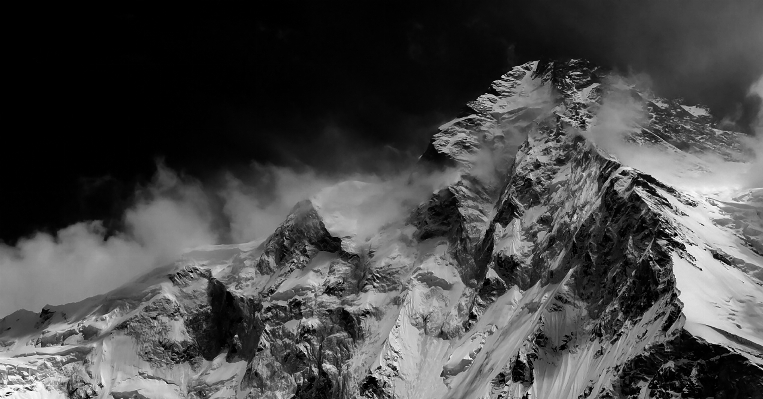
{"points": [[298, 239], [547, 268]]}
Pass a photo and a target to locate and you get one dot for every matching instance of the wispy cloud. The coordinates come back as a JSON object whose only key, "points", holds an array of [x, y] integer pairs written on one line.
{"points": [[175, 213], [255, 208], [621, 114], [81, 260], [754, 177]]}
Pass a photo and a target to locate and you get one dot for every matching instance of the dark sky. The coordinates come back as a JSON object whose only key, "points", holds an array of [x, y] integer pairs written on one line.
{"points": [[98, 95]]}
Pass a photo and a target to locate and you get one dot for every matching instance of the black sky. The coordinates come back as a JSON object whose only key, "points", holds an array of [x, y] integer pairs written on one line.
{"points": [[97, 95]]}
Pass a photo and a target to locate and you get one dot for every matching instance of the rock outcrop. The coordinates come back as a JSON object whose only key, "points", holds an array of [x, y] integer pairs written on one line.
{"points": [[548, 266]]}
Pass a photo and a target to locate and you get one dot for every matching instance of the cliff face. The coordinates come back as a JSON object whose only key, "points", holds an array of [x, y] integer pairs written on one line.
{"points": [[543, 267]]}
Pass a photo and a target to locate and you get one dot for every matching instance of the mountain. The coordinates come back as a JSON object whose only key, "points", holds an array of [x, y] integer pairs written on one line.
{"points": [[522, 258]]}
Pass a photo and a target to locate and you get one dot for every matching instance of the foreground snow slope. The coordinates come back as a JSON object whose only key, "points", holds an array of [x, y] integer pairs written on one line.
{"points": [[536, 265]]}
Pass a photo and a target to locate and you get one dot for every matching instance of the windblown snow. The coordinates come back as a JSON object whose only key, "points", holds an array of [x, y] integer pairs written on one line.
{"points": [[528, 255]]}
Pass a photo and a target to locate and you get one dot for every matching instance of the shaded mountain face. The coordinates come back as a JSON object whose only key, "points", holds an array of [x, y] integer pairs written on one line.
{"points": [[537, 265]]}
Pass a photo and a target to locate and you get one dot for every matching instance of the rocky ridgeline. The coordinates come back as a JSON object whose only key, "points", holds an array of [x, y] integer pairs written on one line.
{"points": [[545, 269]]}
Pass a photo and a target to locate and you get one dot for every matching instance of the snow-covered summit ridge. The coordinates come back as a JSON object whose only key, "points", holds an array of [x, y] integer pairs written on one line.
{"points": [[543, 262]]}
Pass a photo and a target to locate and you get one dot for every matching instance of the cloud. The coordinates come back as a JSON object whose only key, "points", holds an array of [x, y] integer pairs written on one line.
{"points": [[621, 114], [255, 208], [362, 207], [258, 202], [754, 176], [175, 213], [701, 50], [82, 260], [756, 90]]}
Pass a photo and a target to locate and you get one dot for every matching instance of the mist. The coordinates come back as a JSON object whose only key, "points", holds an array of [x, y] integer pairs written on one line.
{"points": [[755, 174], [169, 216], [176, 213], [256, 207], [621, 114], [82, 260], [358, 208]]}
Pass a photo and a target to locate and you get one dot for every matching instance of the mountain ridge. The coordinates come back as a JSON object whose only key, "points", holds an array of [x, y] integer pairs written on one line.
{"points": [[532, 263]]}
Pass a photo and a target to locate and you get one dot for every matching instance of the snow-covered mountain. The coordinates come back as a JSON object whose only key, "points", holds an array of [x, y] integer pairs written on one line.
{"points": [[539, 264]]}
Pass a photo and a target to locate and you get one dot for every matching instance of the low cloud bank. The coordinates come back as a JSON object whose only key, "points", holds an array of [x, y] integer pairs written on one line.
{"points": [[352, 204], [175, 213], [79, 261]]}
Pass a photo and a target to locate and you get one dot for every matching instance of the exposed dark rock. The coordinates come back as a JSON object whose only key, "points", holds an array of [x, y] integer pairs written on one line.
{"points": [[228, 322], [690, 367], [549, 270], [297, 240], [78, 388], [373, 387]]}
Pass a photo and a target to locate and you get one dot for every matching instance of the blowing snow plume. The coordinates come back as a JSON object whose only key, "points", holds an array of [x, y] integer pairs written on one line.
{"points": [[635, 126], [573, 277], [175, 213], [754, 177], [357, 209], [255, 206]]}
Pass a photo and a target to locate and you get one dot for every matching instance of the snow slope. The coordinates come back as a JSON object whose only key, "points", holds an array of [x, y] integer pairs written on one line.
{"points": [[523, 257]]}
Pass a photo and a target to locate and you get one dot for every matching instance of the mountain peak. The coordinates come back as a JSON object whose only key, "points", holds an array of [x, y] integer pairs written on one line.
{"points": [[564, 245]]}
